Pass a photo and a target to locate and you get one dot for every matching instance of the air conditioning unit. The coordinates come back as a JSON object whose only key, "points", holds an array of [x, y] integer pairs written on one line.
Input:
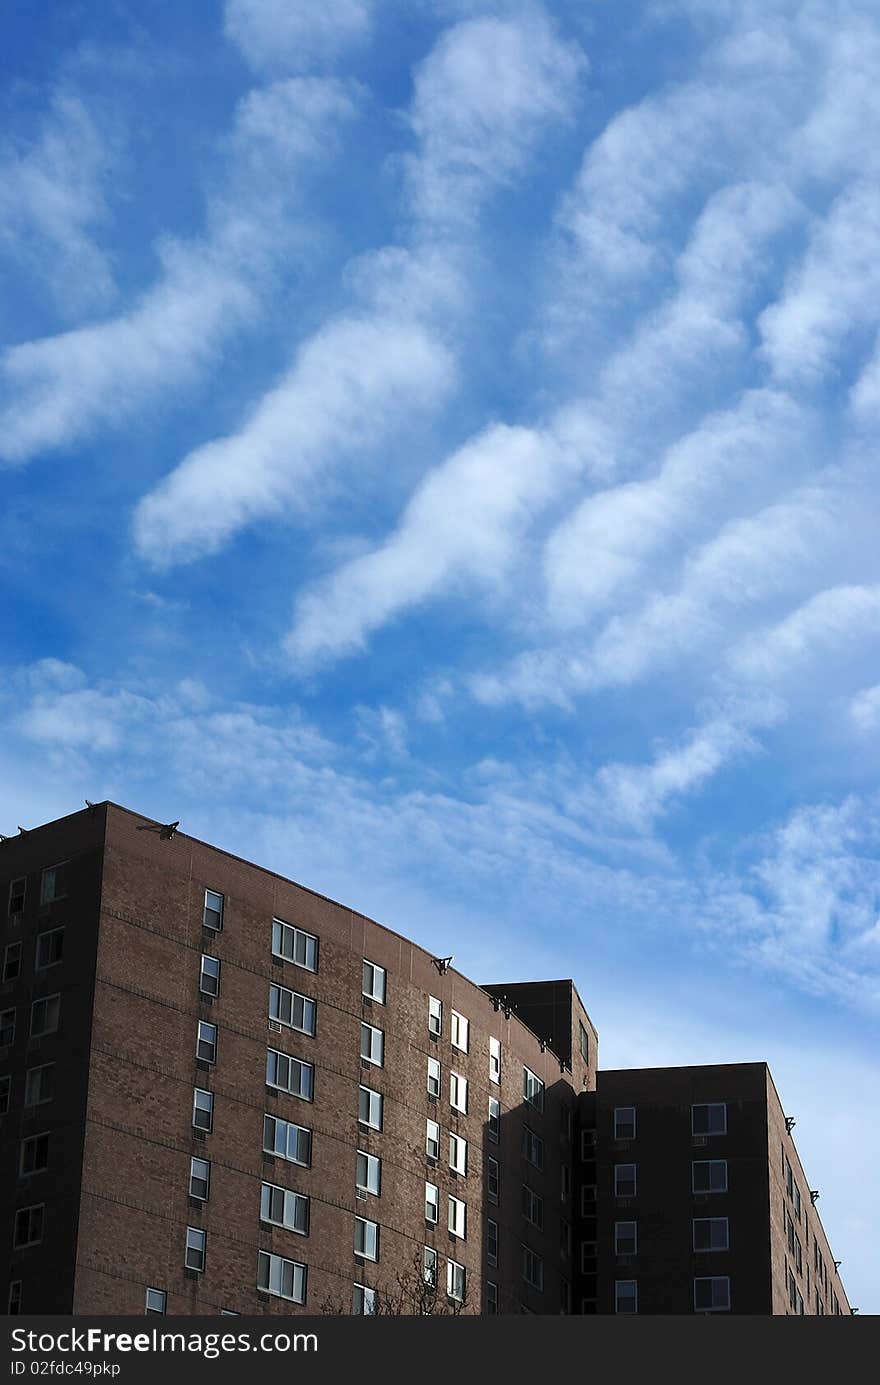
{"points": [[432, 1097], [588, 1193], [275, 1026], [701, 1140], [361, 1194]]}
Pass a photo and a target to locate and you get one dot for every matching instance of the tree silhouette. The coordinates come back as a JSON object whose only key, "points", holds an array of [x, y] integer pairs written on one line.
{"points": [[414, 1293]]}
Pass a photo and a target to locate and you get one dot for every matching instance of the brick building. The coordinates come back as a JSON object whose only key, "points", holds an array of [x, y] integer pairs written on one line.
{"points": [[222, 1092]]}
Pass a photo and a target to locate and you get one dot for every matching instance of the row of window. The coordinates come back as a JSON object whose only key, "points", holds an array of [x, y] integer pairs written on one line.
{"points": [[45, 1016], [49, 952], [707, 1118], [711, 1294], [707, 1176], [709, 1233], [53, 885], [39, 1087]]}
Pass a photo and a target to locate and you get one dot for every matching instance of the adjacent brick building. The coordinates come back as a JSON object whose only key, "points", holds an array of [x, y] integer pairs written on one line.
{"points": [[222, 1092]]}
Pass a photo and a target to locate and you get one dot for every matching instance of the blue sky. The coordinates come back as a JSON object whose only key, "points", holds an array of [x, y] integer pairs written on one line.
{"points": [[438, 445]]}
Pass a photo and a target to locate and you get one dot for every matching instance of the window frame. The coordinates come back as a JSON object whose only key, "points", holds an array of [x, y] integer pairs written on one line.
{"points": [[196, 1178], [281, 1263], [620, 1284], [370, 1232], [374, 1099], [204, 972], [292, 1062], [438, 1078], [619, 1123], [493, 1130], [456, 1216], [373, 1031], [432, 1141], [372, 993], [371, 1161], [621, 1238], [459, 1031], [280, 931], [708, 1164], [208, 1109], [458, 1144], [45, 1000], [712, 1279], [532, 1268], [494, 1060], [288, 1126], [619, 1179], [299, 1202], [196, 1244], [285, 998], [456, 1274], [33, 1239], [432, 1201], [12, 952], [708, 1107], [213, 911], [533, 1090], [458, 1091], [207, 1036], [150, 1311]]}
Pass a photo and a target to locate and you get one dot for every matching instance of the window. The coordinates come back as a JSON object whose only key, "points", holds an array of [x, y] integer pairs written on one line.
{"points": [[492, 1242], [533, 1207], [290, 1075], [624, 1180], [7, 1028], [625, 1238], [457, 1217], [459, 1031], [366, 1238], [456, 1280], [709, 1119], [209, 975], [50, 949], [374, 982], [583, 1042], [493, 1180], [206, 1042], [624, 1122], [709, 1175], [533, 1148], [789, 1229], [433, 1077], [372, 1045], [432, 1139], [370, 1108], [797, 1203], [588, 1144], [28, 1228], [626, 1296], [435, 1015], [196, 1248], [564, 1182], [363, 1301], [368, 1173], [284, 1208], [293, 945], [564, 1296], [532, 1268], [491, 1298], [789, 1180], [292, 1009], [458, 1092], [289, 1141], [798, 1255], [494, 1060], [432, 1203], [5, 1092], [494, 1119], [533, 1089], [200, 1178], [284, 1278], [429, 1267], [157, 1301], [11, 961], [712, 1294], [203, 1109], [53, 883], [17, 892], [45, 1016], [458, 1154], [34, 1154], [710, 1233], [212, 916], [565, 1237]]}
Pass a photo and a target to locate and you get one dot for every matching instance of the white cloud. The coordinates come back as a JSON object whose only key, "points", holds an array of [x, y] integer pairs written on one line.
{"points": [[825, 624], [295, 34], [864, 710]]}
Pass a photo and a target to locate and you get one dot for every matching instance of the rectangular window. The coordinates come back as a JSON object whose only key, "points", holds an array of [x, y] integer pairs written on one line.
{"points": [[5, 1093], [283, 1278], [7, 1028], [797, 1203], [494, 1129], [53, 883], [209, 975], [583, 1042], [789, 1180], [203, 1109], [456, 1280], [565, 1238], [50, 949], [432, 1203], [625, 1238], [458, 1154], [491, 1298], [492, 1242], [17, 892], [709, 1175], [200, 1178], [34, 1154], [292, 1009], [458, 1092], [435, 1015], [281, 1207], [533, 1207], [429, 1267], [624, 1122], [564, 1183], [212, 916], [28, 1228], [363, 1301], [374, 982], [366, 1238], [494, 1060], [493, 1180], [533, 1089], [12, 961], [533, 1148], [798, 1255], [372, 1045], [206, 1042], [156, 1301], [433, 1077], [45, 1016], [709, 1119], [196, 1248], [432, 1139], [459, 1031], [457, 1217], [368, 1173], [371, 1108], [626, 1296], [624, 1180], [712, 1294], [532, 1268], [290, 1075], [288, 1141], [294, 945]]}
